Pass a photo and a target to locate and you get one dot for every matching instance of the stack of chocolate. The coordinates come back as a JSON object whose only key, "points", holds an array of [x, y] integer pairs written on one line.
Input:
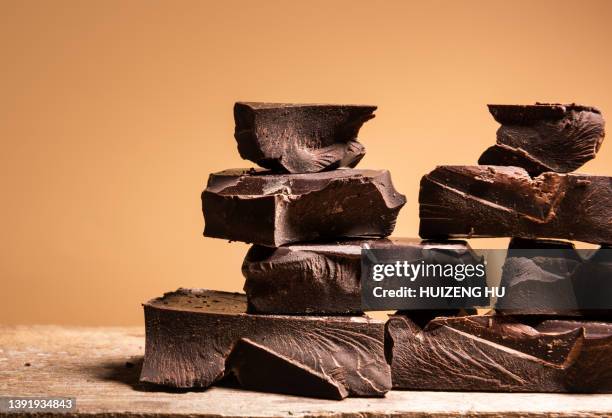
{"points": [[299, 329], [523, 189]]}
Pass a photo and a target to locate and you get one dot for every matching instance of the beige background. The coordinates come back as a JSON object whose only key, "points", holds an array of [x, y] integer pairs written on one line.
{"points": [[114, 112]]}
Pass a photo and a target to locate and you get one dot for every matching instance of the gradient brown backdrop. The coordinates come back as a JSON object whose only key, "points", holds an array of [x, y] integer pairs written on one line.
{"points": [[114, 112]]}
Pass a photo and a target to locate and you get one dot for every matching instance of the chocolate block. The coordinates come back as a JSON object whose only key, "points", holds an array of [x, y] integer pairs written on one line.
{"points": [[300, 138], [547, 277], [490, 201], [498, 353], [545, 137], [304, 278], [326, 278], [191, 336], [593, 283], [591, 366], [538, 277], [256, 367], [275, 209]]}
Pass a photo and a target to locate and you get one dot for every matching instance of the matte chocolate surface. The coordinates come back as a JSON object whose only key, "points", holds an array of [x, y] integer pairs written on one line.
{"points": [[300, 138], [592, 282], [191, 336], [256, 367], [556, 279], [275, 209], [540, 281], [498, 353], [324, 278], [490, 201], [545, 137]]}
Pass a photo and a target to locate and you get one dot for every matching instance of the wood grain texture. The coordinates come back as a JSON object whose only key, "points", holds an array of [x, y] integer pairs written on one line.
{"points": [[90, 364]]}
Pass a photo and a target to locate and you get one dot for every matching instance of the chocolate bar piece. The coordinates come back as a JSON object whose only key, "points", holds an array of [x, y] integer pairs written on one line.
{"points": [[300, 138], [275, 209], [590, 368], [501, 354], [490, 201], [256, 367], [545, 137], [304, 278], [196, 337], [592, 282], [326, 278], [537, 276], [547, 277]]}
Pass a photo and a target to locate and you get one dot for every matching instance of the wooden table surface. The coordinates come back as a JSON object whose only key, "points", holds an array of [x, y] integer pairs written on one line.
{"points": [[90, 365]]}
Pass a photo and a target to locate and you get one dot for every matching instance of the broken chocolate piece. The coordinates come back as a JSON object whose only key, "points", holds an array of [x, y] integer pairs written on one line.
{"points": [[304, 278], [191, 333], [537, 276], [591, 370], [326, 278], [593, 283], [300, 138], [547, 277], [259, 368], [275, 209], [545, 137], [498, 353], [490, 201]]}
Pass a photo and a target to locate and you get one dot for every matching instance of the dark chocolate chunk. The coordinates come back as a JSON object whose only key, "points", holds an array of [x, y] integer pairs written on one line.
{"points": [[300, 138], [593, 283], [537, 276], [547, 277], [190, 335], [490, 201], [501, 354], [591, 365], [304, 278], [326, 278], [276, 209], [545, 137], [259, 368]]}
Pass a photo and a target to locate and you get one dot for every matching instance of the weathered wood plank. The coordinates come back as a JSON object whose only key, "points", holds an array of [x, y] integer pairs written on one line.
{"points": [[90, 364]]}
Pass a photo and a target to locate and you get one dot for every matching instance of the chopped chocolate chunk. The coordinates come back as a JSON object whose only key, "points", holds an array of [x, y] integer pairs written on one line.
{"points": [[300, 138], [545, 137], [490, 201], [501, 354], [259, 368], [190, 345], [326, 278], [537, 276], [547, 277], [304, 278], [593, 283], [275, 209]]}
